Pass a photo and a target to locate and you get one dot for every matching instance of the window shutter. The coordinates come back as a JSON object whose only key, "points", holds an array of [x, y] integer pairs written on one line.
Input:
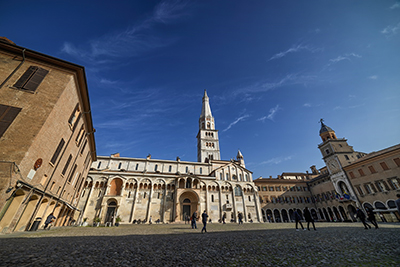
{"points": [[58, 150], [7, 116], [66, 165], [25, 77], [35, 80]]}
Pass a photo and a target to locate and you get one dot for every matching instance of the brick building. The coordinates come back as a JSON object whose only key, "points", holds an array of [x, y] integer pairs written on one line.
{"points": [[46, 137]]}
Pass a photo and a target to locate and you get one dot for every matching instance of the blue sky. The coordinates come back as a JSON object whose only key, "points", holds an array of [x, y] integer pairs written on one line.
{"points": [[272, 69]]}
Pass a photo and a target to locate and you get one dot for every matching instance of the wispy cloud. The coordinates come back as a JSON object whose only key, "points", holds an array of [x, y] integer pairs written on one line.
{"points": [[349, 107], [294, 49], [347, 56], [289, 79], [373, 77], [396, 5], [235, 122], [391, 30], [307, 105], [132, 41], [271, 115], [169, 11], [276, 160], [344, 57]]}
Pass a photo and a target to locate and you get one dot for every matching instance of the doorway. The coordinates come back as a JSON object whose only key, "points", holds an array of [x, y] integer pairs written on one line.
{"points": [[186, 209], [111, 209]]}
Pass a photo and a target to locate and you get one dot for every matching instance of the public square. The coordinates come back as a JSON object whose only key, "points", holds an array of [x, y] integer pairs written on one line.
{"points": [[267, 244]]}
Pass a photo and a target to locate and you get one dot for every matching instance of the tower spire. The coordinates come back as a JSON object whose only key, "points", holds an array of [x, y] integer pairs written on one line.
{"points": [[326, 132], [206, 110], [207, 138]]}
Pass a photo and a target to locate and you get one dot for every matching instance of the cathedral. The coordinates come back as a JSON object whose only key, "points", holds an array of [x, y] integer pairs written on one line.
{"points": [[145, 189]]}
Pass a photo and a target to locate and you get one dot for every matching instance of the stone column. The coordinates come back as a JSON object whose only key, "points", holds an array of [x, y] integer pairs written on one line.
{"points": [[220, 202], [257, 207], [164, 203], [244, 206], [149, 204], [234, 204], [132, 217]]}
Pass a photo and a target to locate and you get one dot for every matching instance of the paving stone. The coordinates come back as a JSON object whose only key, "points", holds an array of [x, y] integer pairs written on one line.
{"points": [[333, 244]]}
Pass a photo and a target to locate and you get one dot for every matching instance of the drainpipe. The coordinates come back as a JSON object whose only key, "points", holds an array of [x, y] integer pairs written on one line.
{"points": [[20, 64]]}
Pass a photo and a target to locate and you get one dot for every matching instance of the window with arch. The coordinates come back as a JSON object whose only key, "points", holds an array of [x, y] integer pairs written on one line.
{"points": [[137, 166], [212, 198], [169, 168], [226, 176], [201, 170], [246, 178], [187, 169], [220, 175], [155, 167], [116, 187], [238, 191]]}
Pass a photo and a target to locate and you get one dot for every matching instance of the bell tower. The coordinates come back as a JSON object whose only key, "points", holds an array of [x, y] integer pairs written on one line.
{"points": [[207, 138], [336, 154]]}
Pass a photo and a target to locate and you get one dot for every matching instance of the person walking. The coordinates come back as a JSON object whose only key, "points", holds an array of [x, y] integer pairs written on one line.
{"points": [[240, 216], [371, 217], [194, 218], [223, 218], [309, 219], [204, 217], [49, 220], [360, 215], [297, 219]]}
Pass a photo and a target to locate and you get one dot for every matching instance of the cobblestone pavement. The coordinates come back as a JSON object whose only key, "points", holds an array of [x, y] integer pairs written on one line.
{"points": [[333, 244]]}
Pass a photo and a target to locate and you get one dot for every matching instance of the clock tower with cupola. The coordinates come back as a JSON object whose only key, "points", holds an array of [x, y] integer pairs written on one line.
{"points": [[207, 138], [337, 153]]}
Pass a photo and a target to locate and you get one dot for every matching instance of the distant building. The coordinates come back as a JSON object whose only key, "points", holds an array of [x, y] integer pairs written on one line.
{"points": [[46, 137], [136, 189], [280, 196], [349, 180]]}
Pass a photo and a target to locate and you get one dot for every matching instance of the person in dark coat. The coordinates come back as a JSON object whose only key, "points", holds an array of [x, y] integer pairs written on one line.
{"points": [[360, 215], [371, 217], [49, 220], [240, 216], [297, 219], [309, 219], [194, 218], [204, 217]]}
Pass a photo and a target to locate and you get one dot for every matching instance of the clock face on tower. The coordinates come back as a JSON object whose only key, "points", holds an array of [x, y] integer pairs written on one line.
{"points": [[333, 165]]}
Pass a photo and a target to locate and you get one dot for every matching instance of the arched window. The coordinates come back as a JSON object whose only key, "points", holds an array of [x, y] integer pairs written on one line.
{"points": [[189, 183], [187, 169], [226, 176], [201, 171], [238, 191], [212, 198], [116, 186], [170, 168], [220, 175], [155, 168], [246, 178], [119, 165]]}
